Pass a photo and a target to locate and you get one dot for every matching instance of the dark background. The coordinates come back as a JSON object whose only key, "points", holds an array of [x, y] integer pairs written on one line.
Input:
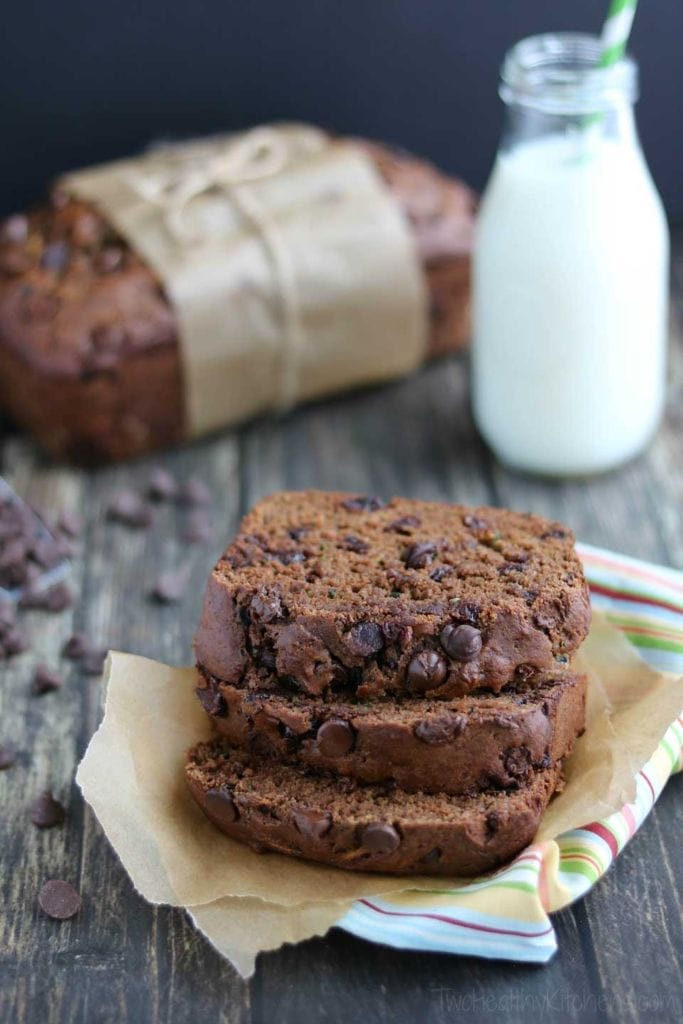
{"points": [[86, 81]]}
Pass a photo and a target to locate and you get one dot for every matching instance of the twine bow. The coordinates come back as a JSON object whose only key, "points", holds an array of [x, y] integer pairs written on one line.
{"points": [[244, 160]]}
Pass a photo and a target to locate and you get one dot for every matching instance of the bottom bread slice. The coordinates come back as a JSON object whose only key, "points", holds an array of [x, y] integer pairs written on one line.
{"points": [[364, 827]]}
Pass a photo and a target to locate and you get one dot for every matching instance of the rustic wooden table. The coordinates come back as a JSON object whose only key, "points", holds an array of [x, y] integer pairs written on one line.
{"points": [[121, 960]]}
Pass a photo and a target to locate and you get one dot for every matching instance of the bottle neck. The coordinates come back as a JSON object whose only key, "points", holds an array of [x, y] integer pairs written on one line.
{"points": [[525, 124]]}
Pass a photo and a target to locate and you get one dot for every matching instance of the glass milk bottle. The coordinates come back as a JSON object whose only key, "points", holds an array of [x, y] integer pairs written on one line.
{"points": [[571, 268]]}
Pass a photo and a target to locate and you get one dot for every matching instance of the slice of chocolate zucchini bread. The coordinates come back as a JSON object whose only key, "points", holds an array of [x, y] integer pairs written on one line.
{"points": [[472, 743], [350, 595], [364, 828]]}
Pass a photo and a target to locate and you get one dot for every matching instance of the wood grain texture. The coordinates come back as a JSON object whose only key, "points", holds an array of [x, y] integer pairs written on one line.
{"points": [[123, 961]]}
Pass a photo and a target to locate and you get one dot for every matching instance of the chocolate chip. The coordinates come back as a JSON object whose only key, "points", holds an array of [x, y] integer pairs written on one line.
{"points": [[405, 525], [365, 639], [556, 534], [195, 492], [13, 642], [8, 756], [313, 824], [363, 503], [46, 812], [335, 737], [297, 532], [169, 587], [431, 859], [380, 838], [352, 543], [75, 647], [46, 680], [288, 557], [417, 556], [426, 671], [53, 599], [161, 485], [462, 643], [108, 337], [214, 703], [59, 900], [492, 824], [55, 256], [440, 573], [14, 229], [266, 607], [71, 523], [109, 259], [221, 806], [92, 661], [441, 728], [128, 508], [198, 529]]}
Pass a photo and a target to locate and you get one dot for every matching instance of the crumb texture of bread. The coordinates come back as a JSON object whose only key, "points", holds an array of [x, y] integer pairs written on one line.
{"points": [[347, 594], [461, 746], [364, 828]]}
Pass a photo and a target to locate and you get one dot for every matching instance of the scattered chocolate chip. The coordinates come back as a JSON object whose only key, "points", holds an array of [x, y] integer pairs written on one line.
{"points": [[440, 728], [417, 556], [46, 812], [8, 756], [75, 647], [13, 642], [70, 523], [92, 661], [405, 525], [221, 805], [555, 534], [380, 838], [440, 573], [476, 523], [169, 587], [14, 229], [352, 543], [426, 671], [363, 503], [128, 508], [198, 529], [544, 621], [288, 557], [59, 900], [298, 532], [313, 824], [462, 643], [46, 679], [53, 599], [195, 492], [55, 256], [162, 485], [335, 737], [365, 639]]}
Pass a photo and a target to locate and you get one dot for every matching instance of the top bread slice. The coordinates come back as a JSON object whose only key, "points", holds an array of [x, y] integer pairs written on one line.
{"points": [[347, 594]]}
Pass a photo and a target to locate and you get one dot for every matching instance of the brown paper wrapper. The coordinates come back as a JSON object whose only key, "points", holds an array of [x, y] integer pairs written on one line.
{"points": [[244, 902], [289, 264]]}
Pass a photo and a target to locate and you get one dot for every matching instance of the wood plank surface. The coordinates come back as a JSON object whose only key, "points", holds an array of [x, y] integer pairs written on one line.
{"points": [[121, 960]]}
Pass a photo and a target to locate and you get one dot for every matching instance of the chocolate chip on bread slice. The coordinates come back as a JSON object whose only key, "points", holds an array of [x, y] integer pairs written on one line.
{"points": [[364, 828], [460, 746], [329, 592]]}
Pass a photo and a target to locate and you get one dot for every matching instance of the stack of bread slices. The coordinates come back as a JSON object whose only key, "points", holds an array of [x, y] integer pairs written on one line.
{"points": [[390, 683]]}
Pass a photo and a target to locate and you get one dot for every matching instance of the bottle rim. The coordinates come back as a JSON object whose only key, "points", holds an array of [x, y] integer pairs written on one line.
{"points": [[559, 73]]}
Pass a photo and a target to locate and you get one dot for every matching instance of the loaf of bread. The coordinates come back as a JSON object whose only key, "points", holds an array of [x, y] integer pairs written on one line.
{"points": [[89, 355], [389, 683]]}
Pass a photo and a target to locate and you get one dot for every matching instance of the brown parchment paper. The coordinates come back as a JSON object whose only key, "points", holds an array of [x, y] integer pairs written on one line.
{"points": [[289, 264], [132, 777]]}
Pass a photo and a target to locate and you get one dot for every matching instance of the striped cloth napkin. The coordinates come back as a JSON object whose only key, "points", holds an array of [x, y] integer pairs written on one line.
{"points": [[646, 603]]}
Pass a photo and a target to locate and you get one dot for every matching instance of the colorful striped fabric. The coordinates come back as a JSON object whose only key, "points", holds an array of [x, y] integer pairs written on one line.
{"points": [[646, 603]]}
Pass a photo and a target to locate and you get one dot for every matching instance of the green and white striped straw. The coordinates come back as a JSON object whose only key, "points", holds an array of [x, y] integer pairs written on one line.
{"points": [[616, 30]]}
